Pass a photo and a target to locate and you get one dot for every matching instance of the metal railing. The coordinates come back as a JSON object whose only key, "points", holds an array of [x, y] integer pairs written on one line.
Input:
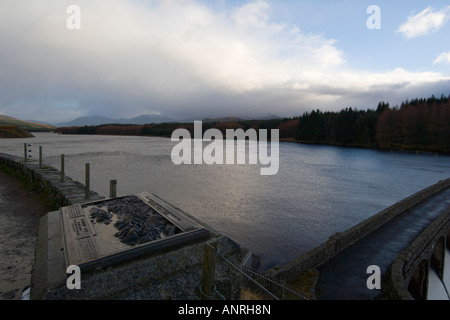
{"points": [[263, 286]]}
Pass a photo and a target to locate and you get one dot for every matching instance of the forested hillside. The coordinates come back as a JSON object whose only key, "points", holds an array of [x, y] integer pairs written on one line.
{"points": [[420, 124], [417, 125]]}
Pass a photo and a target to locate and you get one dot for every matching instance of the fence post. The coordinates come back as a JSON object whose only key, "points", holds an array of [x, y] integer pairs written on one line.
{"points": [[112, 188], [25, 156], [62, 167], [209, 270], [40, 156], [87, 180]]}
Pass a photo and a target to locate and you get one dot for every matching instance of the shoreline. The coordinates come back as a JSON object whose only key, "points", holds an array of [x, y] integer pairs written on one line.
{"points": [[293, 140], [384, 149]]}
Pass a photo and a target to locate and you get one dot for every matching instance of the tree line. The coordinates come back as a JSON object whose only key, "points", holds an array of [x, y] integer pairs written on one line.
{"points": [[417, 125]]}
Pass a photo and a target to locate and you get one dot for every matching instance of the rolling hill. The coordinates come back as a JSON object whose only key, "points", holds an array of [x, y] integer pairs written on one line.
{"points": [[11, 127], [24, 125], [99, 120], [13, 132]]}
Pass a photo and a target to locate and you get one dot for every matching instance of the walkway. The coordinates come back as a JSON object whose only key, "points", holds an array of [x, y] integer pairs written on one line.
{"points": [[20, 211], [344, 277]]}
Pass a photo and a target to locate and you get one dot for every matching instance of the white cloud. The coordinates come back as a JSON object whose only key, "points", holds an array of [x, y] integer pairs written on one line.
{"points": [[255, 14], [429, 20], [443, 58]]}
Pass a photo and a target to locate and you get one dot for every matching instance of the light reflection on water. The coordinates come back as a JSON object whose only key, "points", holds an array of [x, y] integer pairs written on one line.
{"points": [[318, 191]]}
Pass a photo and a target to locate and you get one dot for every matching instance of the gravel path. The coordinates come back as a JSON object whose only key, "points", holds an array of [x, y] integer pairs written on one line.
{"points": [[20, 211]]}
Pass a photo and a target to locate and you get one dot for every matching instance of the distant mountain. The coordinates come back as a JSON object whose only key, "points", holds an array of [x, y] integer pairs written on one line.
{"points": [[24, 125], [234, 119], [263, 117], [224, 119], [99, 120], [86, 121], [150, 118]]}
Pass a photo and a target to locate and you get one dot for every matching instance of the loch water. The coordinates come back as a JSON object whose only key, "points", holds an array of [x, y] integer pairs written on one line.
{"points": [[318, 190]]}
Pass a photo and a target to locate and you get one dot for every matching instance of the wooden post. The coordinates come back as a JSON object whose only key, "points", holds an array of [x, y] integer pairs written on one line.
{"points": [[62, 167], [209, 270], [40, 156], [25, 156], [87, 181], [112, 188]]}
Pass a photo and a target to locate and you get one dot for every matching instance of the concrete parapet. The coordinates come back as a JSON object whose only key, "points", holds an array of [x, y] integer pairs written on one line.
{"points": [[171, 274], [47, 180], [342, 240], [419, 250]]}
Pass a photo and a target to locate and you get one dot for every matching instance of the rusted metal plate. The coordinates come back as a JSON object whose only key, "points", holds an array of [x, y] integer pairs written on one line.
{"points": [[99, 233]]}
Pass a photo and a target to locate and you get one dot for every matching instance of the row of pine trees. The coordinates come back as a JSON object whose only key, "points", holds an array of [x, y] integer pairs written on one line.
{"points": [[418, 125]]}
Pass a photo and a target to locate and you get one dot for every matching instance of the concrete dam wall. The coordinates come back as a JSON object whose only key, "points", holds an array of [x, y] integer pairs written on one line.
{"points": [[47, 180], [342, 240]]}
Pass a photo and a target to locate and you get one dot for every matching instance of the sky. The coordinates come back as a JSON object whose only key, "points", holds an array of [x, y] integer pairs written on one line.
{"points": [[214, 58]]}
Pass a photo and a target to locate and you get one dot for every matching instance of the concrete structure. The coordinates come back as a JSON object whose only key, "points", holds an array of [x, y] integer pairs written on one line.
{"points": [[171, 272], [175, 273], [410, 271], [47, 180], [420, 220], [342, 240]]}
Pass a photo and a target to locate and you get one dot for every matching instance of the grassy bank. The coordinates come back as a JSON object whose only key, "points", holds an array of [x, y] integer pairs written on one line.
{"points": [[10, 131]]}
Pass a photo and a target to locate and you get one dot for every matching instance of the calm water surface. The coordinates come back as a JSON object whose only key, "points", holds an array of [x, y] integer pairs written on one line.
{"points": [[318, 191]]}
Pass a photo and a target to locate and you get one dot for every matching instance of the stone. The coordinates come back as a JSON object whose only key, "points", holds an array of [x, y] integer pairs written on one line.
{"points": [[101, 232]]}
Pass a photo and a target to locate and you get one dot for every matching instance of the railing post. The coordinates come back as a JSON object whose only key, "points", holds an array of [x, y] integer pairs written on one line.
{"points": [[87, 181], [112, 188], [62, 167], [209, 270], [40, 156]]}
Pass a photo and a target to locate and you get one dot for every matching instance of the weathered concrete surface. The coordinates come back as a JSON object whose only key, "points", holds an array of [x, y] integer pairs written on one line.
{"points": [[344, 277], [426, 253], [20, 211], [47, 180], [175, 273]]}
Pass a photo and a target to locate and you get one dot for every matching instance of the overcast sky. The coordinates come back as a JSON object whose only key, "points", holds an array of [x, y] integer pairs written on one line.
{"points": [[203, 58]]}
